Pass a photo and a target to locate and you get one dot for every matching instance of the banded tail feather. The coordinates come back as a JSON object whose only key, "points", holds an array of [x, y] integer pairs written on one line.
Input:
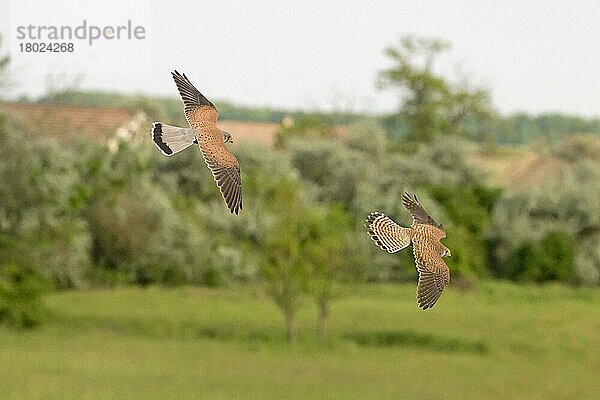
{"points": [[387, 234], [171, 139]]}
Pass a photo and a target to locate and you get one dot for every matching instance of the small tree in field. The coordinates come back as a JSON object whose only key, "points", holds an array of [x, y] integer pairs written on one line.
{"points": [[21, 290], [307, 249], [328, 253], [284, 270]]}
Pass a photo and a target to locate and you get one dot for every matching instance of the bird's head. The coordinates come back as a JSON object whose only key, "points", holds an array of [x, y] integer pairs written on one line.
{"points": [[226, 137], [446, 252]]}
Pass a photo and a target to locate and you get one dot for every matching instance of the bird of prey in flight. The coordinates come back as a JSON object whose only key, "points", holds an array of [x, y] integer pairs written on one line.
{"points": [[202, 116], [424, 234]]}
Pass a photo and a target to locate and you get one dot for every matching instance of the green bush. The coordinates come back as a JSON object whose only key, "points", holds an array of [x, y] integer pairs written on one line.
{"points": [[39, 209], [20, 296], [137, 232], [469, 211], [469, 206], [367, 136], [551, 258], [524, 226], [335, 170]]}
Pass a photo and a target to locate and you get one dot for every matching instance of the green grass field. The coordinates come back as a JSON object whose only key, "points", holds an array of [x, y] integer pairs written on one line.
{"points": [[499, 341]]}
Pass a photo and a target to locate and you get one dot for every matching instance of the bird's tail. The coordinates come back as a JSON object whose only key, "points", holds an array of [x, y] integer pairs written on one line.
{"points": [[387, 234], [171, 139]]}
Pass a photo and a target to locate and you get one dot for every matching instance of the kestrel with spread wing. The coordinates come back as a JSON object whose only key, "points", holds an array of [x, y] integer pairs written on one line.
{"points": [[202, 116], [424, 234]]}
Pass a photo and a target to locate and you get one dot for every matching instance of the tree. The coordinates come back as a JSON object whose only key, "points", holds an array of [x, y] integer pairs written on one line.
{"points": [[308, 249], [284, 269], [430, 104], [329, 255]]}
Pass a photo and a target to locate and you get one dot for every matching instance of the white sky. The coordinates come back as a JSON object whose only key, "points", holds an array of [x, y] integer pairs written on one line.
{"points": [[535, 56]]}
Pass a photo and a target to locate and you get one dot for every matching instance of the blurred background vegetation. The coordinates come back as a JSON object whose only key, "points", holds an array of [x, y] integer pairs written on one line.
{"points": [[519, 196], [83, 213]]}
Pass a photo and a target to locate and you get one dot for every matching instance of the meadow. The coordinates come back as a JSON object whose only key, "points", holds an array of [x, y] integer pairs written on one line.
{"points": [[496, 341]]}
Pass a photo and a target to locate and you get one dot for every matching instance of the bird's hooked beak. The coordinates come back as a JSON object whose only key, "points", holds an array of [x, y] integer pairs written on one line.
{"points": [[449, 254], [227, 137]]}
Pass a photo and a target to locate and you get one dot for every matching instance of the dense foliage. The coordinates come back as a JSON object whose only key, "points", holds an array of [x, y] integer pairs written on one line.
{"points": [[551, 231], [85, 214], [20, 296]]}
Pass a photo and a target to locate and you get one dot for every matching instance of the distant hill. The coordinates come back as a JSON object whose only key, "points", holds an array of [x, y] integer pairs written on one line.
{"points": [[518, 128], [67, 121], [170, 107], [516, 167]]}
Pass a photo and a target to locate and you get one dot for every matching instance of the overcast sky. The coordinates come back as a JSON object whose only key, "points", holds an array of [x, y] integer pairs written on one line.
{"points": [[535, 56]]}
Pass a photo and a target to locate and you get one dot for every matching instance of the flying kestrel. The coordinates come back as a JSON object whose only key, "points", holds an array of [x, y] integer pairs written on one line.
{"points": [[202, 116], [424, 234]]}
